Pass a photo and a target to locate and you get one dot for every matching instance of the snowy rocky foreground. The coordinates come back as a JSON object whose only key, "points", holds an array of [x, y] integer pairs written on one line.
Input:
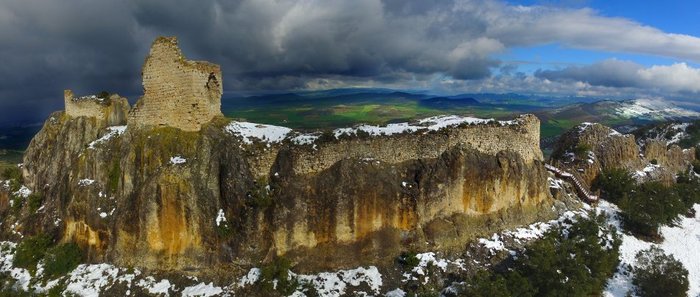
{"points": [[250, 132], [90, 280], [682, 242]]}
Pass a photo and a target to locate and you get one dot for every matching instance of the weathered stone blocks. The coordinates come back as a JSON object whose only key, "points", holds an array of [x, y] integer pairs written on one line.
{"points": [[177, 92]]}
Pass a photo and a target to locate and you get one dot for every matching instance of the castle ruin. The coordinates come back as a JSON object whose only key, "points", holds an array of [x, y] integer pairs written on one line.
{"points": [[112, 110], [177, 92]]}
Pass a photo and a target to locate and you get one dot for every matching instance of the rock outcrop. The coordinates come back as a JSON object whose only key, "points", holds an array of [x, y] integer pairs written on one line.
{"points": [[194, 195], [587, 149]]}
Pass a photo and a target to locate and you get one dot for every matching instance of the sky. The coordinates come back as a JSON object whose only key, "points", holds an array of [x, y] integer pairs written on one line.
{"points": [[616, 49]]}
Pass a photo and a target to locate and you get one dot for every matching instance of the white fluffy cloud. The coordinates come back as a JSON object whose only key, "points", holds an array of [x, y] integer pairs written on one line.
{"points": [[678, 77]]}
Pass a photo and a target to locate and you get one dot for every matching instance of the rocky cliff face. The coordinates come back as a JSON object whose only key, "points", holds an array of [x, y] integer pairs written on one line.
{"points": [[237, 193], [163, 198], [588, 148]]}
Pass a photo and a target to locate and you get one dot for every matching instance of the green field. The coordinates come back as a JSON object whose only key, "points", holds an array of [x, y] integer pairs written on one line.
{"points": [[344, 115]]}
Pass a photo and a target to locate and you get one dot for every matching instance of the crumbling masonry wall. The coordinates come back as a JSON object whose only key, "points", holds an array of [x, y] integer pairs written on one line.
{"points": [[521, 137], [177, 92], [110, 111]]}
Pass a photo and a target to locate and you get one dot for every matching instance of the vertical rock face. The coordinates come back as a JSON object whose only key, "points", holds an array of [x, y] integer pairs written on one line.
{"points": [[177, 92], [177, 189]]}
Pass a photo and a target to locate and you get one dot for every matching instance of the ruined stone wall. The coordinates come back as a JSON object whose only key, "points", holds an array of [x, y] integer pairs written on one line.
{"points": [[521, 138], [177, 92], [81, 107], [109, 111]]}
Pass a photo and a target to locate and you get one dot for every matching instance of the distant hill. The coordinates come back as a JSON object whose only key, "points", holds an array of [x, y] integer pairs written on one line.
{"points": [[448, 102], [622, 115]]}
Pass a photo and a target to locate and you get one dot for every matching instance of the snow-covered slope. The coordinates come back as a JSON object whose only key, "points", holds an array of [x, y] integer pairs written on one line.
{"points": [[653, 109], [680, 241]]}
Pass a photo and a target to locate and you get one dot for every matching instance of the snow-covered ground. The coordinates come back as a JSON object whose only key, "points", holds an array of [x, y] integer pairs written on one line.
{"points": [[250, 132], [428, 124]]}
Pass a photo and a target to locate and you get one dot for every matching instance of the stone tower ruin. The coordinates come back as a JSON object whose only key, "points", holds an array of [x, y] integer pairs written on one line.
{"points": [[177, 92]]}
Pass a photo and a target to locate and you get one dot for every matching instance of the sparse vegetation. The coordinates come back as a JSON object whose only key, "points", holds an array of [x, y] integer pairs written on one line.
{"points": [[658, 274], [103, 94], [260, 196], [326, 136], [114, 174], [581, 151], [14, 177], [11, 173]]}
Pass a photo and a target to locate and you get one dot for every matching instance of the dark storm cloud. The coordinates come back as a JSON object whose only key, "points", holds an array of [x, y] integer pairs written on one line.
{"points": [[51, 45], [88, 46]]}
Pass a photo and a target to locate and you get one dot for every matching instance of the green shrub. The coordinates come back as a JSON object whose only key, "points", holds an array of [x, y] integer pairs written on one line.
{"points": [[658, 274], [487, 284], [654, 162], [278, 270], [17, 204], [614, 184], [224, 230], [408, 260], [573, 262], [30, 251], [687, 187], [326, 136], [34, 201], [114, 174], [261, 195], [62, 259], [650, 205], [696, 164], [581, 151]]}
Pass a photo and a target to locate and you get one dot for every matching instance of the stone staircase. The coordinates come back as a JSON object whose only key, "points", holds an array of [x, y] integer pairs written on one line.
{"points": [[582, 190]]}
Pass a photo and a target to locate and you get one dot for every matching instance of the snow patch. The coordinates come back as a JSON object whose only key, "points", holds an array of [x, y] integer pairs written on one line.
{"points": [[264, 133], [85, 182], [111, 132], [220, 217], [202, 290], [177, 160], [334, 284], [23, 192], [252, 277]]}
